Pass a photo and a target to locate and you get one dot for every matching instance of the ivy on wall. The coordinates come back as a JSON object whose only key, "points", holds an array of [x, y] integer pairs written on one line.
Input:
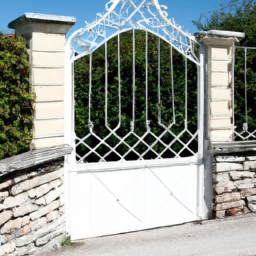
{"points": [[15, 97], [126, 70]]}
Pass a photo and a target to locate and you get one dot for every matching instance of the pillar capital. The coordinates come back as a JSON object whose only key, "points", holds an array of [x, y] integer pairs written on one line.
{"points": [[218, 37], [28, 23]]}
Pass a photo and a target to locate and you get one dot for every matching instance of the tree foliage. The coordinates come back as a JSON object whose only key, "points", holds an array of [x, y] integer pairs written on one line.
{"points": [[16, 98], [239, 16], [126, 71]]}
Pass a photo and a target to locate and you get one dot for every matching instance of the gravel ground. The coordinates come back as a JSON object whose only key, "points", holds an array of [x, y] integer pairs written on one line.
{"points": [[233, 236]]}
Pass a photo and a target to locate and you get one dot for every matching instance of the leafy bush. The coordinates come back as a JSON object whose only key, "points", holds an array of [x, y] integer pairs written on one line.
{"points": [[239, 16], [126, 70], [15, 97]]}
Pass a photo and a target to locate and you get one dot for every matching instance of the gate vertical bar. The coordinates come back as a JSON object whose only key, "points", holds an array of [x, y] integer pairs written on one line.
{"points": [[245, 86], [146, 96], [200, 176]]}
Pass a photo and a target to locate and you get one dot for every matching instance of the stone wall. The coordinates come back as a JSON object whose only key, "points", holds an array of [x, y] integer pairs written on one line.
{"points": [[234, 189], [32, 203]]}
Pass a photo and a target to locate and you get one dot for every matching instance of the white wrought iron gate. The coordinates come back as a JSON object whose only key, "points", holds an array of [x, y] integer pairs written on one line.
{"points": [[121, 178]]}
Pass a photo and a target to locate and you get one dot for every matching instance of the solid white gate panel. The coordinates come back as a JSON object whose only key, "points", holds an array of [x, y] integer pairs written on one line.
{"points": [[117, 201]]}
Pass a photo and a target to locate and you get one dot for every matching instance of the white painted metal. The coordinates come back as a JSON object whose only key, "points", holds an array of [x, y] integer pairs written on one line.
{"points": [[245, 133], [111, 201], [109, 198]]}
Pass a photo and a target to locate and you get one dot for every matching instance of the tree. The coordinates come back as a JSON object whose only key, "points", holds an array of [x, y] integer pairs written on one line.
{"points": [[239, 16]]}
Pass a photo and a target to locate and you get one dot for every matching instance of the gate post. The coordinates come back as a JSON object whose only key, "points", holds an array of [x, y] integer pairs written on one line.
{"points": [[45, 36], [219, 55]]}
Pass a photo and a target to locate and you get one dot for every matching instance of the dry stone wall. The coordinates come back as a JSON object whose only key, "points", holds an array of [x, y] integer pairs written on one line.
{"points": [[234, 189], [32, 213]]}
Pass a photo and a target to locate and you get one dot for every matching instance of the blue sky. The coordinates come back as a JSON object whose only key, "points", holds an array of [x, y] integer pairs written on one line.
{"points": [[183, 11]]}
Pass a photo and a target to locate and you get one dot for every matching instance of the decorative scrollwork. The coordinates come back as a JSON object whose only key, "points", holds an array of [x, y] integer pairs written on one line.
{"points": [[123, 15]]}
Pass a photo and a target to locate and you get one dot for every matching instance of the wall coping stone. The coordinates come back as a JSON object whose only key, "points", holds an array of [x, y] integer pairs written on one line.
{"points": [[33, 158], [214, 33], [232, 147], [41, 18], [30, 23]]}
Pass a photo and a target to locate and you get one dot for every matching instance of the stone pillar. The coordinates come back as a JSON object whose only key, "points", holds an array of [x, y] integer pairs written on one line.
{"points": [[46, 35], [219, 59]]}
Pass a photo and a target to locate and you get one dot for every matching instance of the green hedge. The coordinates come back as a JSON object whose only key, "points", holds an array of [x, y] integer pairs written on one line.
{"points": [[98, 96], [16, 99]]}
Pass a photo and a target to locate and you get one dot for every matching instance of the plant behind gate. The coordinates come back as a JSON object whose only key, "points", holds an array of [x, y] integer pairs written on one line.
{"points": [[15, 97], [126, 69]]}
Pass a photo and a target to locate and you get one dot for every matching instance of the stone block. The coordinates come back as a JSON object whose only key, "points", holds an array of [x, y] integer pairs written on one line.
{"points": [[244, 184], [220, 66], [234, 211], [48, 42], [25, 209], [248, 192], [220, 108], [252, 207], [54, 195], [37, 224], [49, 237], [224, 187], [62, 210], [220, 214], [227, 167], [2, 207], [5, 216], [221, 135], [29, 249], [48, 142], [17, 200], [230, 159], [250, 165], [40, 201], [49, 93], [11, 225], [16, 180], [228, 197], [44, 129], [52, 216], [45, 210], [220, 53], [31, 237], [221, 177], [239, 175], [3, 195], [220, 79], [62, 199], [49, 110], [225, 206], [251, 158], [251, 198], [246, 210], [35, 182], [47, 76], [55, 242], [7, 248], [25, 221], [221, 94], [222, 122], [48, 59], [44, 189]]}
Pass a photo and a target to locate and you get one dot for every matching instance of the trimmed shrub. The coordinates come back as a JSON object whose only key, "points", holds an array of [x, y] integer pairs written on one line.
{"points": [[16, 100]]}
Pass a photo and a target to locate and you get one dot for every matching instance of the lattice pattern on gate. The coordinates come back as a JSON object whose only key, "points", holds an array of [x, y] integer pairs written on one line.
{"points": [[172, 138]]}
